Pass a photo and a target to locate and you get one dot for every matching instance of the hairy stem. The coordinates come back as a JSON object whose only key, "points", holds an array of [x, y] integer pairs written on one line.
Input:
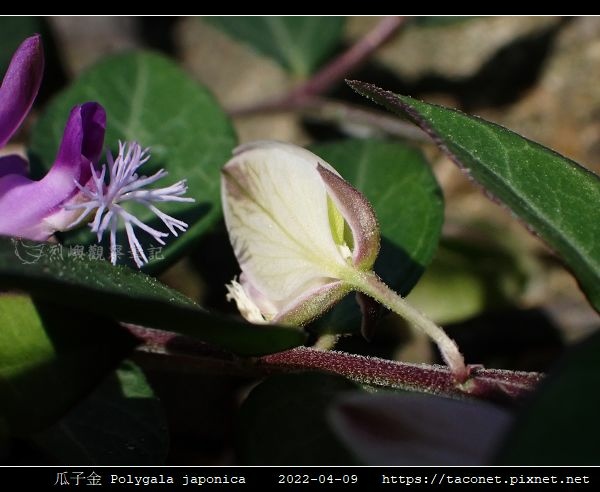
{"points": [[488, 384], [169, 351], [369, 283]]}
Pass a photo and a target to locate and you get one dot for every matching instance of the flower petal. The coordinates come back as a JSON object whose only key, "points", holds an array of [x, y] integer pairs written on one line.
{"points": [[267, 309], [256, 308], [359, 215], [20, 86], [13, 164], [33, 209], [276, 212], [81, 144], [312, 304]]}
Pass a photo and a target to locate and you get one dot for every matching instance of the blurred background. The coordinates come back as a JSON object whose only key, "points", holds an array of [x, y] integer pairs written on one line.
{"points": [[496, 288]]}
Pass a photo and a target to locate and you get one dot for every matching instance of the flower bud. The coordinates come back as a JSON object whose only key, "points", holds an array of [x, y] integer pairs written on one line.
{"points": [[298, 230]]}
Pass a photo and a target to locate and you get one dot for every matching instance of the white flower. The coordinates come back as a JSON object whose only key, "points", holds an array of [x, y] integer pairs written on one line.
{"points": [[298, 230], [304, 238], [125, 185]]}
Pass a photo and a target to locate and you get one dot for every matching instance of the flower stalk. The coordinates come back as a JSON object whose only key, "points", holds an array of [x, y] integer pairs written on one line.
{"points": [[370, 284]]}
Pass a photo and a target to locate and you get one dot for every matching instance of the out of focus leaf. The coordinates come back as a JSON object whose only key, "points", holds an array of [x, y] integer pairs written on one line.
{"points": [[13, 30], [120, 423], [283, 422], [123, 294], [50, 358], [298, 43], [467, 278], [560, 426]]}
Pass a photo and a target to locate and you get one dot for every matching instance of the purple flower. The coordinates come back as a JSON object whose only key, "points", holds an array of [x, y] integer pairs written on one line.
{"points": [[74, 190], [105, 201], [36, 209]]}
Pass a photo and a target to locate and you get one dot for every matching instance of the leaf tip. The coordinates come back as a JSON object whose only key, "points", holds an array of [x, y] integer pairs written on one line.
{"points": [[360, 86]]}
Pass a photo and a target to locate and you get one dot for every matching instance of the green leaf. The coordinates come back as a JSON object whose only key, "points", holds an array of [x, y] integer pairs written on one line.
{"points": [[555, 196], [467, 277], [13, 31], [126, 295], [560, 424], [298, 43], [284, 422], [149, 99], [409, 206], [120, 423], [50, 358]]}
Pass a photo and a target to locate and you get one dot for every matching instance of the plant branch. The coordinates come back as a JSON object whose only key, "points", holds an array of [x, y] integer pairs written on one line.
{"points": [[350, 60], [487, 384], [332, 73], [355, 119]]}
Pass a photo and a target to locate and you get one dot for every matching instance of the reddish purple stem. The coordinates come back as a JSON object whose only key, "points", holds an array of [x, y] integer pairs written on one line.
{"points": [[333, 72], [350, 60], [487, 384]]}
